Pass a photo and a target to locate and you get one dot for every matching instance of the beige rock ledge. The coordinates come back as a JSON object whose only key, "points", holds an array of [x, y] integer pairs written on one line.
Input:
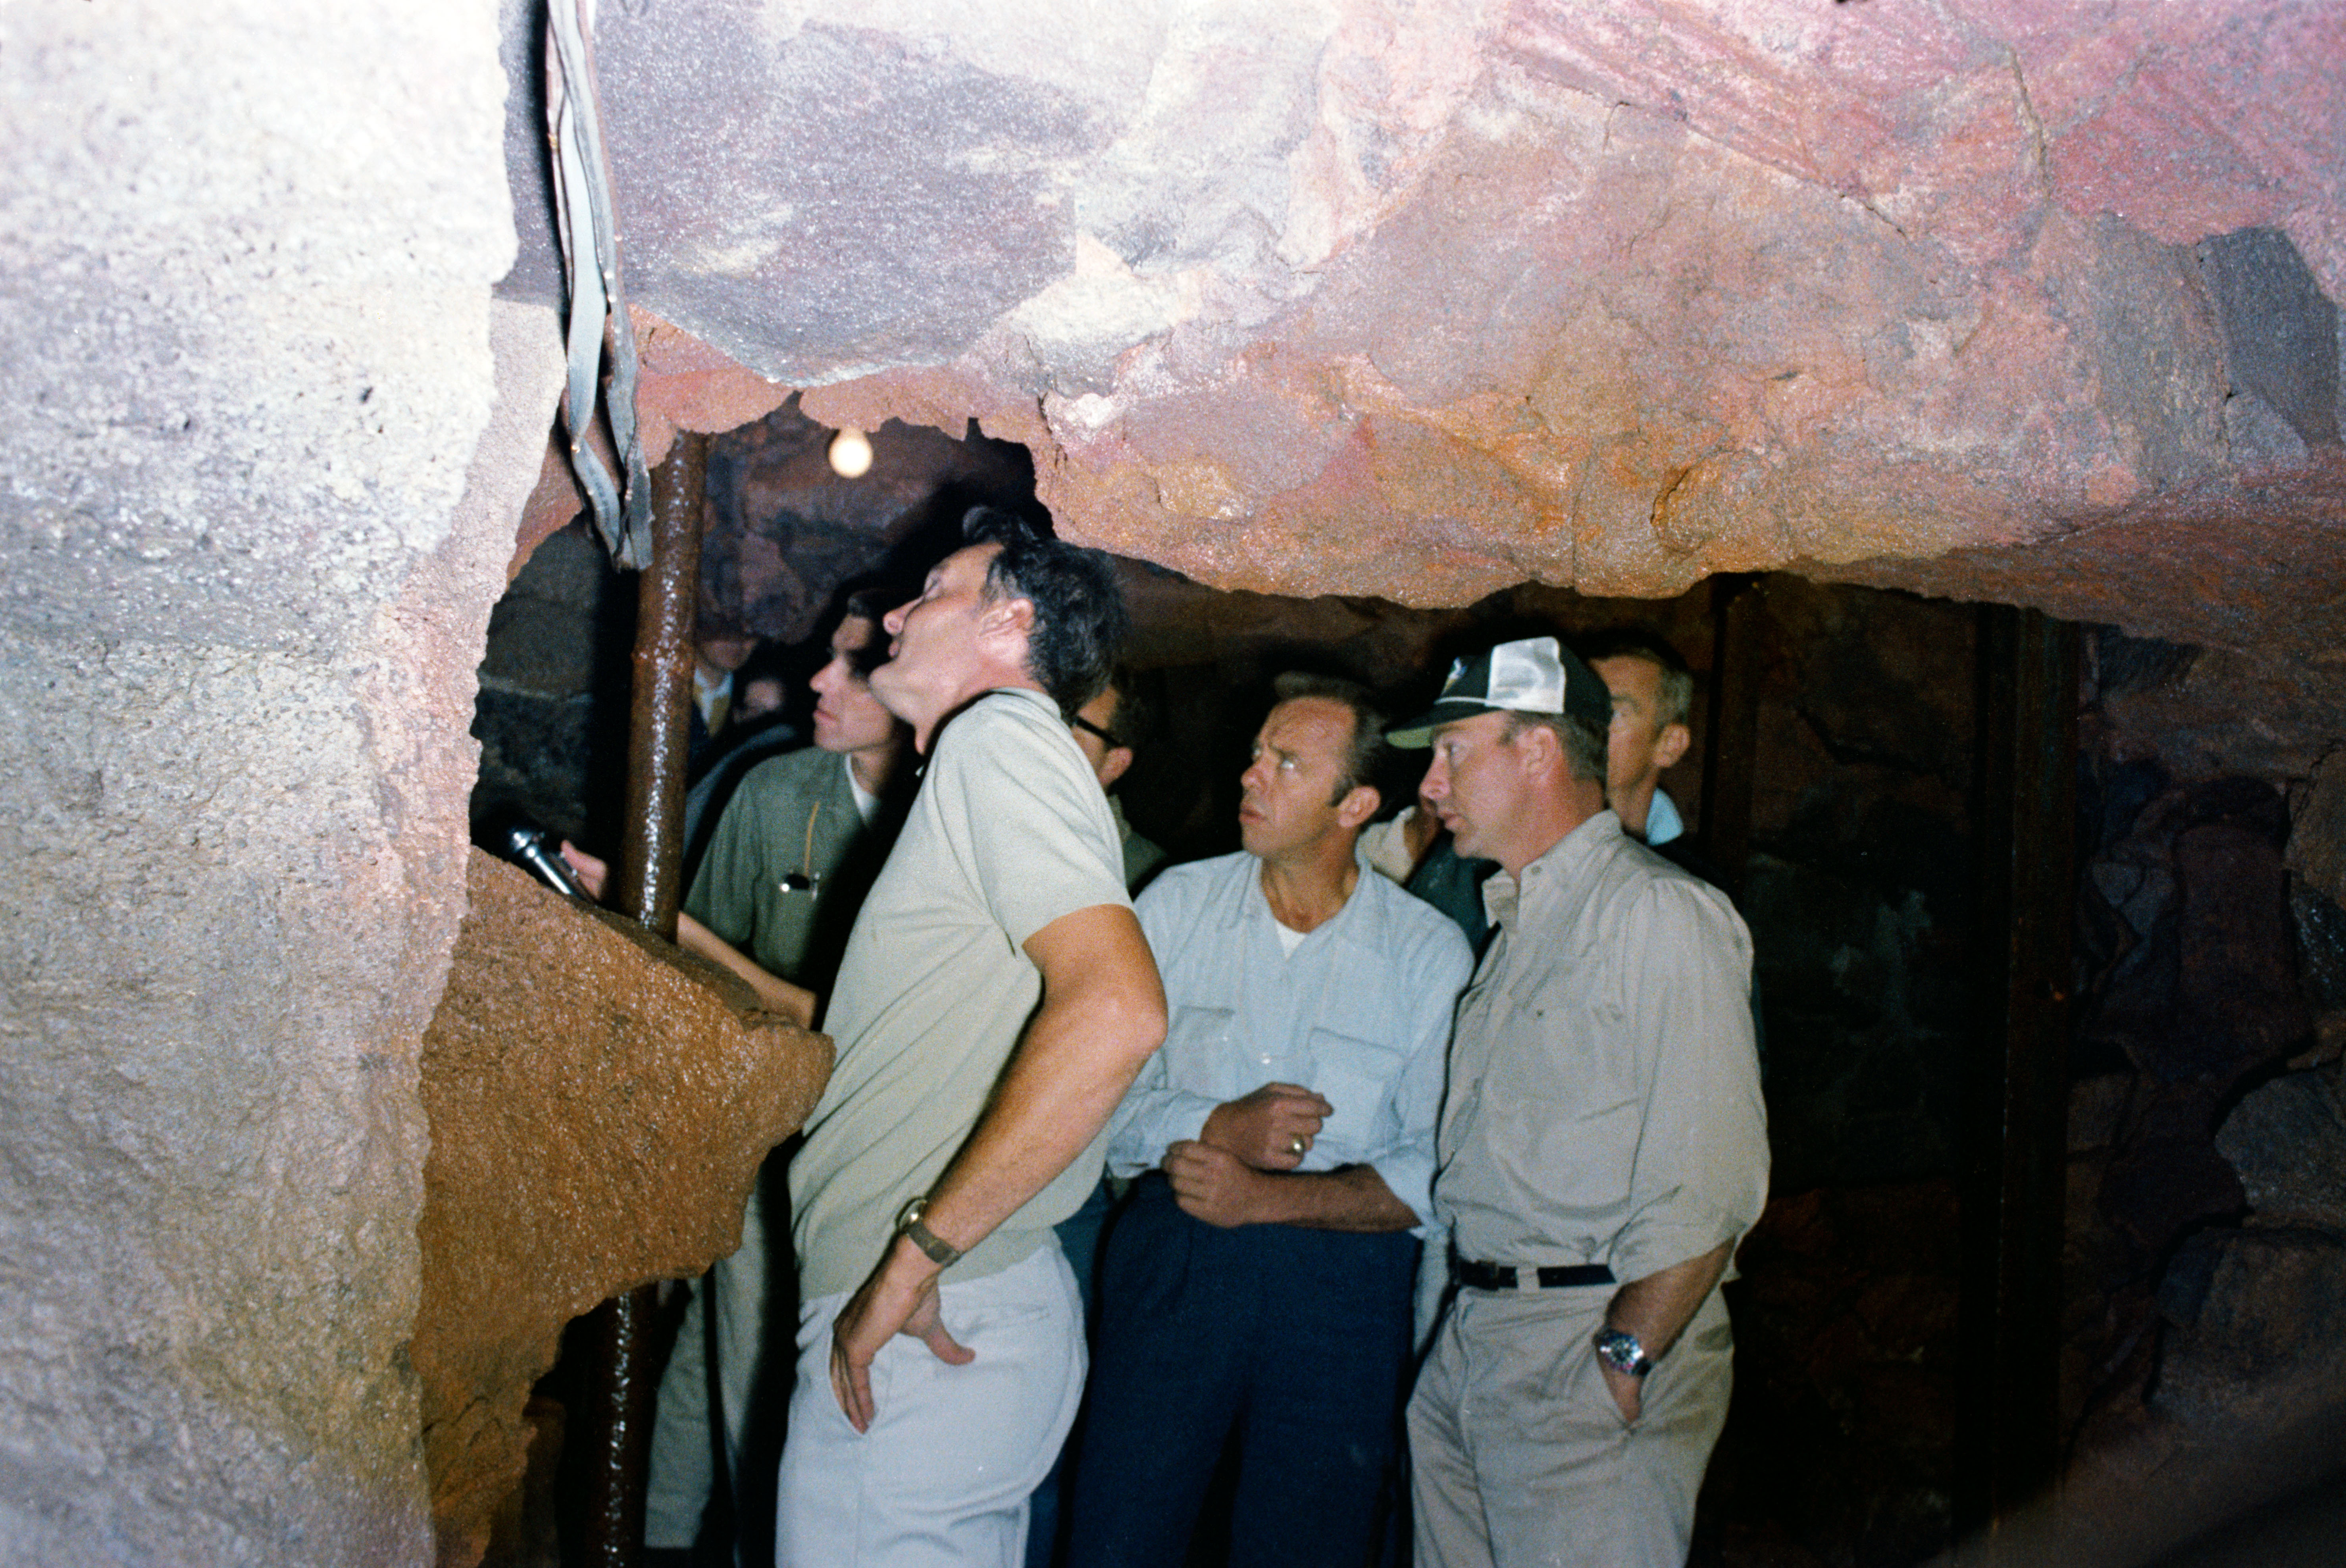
{"points": [[599, 1103]]}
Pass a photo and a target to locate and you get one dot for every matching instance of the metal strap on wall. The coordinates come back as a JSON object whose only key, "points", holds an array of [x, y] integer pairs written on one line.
{"points": [[588, 222]]}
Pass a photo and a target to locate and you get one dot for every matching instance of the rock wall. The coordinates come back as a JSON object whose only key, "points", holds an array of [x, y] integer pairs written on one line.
{"points": [[2206, 1233], [599, 1105], [263, 441], [554, 688]]}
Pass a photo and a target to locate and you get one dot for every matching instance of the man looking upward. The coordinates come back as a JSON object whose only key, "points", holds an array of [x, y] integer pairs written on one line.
{"points": [[1258, 1280], [796, 846], [1603, 1145], [996, 1002]]}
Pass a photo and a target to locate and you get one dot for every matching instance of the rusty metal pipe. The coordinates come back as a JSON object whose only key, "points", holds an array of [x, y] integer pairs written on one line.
{"points": [[651, 861], [623, 1383]]}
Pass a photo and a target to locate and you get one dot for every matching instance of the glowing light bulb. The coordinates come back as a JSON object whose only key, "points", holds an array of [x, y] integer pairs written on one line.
{"points": [[851, 453]]}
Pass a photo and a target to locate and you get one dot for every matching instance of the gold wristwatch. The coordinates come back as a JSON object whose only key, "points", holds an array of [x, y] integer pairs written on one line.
{"points": [[940, 1251]]}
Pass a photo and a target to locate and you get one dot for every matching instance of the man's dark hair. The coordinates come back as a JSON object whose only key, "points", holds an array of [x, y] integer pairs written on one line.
{"points": [[1677, 691], [770, 661], [1080, 620], [1369, 755], [1134, 722]]}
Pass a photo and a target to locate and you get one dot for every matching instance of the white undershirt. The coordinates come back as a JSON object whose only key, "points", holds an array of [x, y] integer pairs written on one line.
{"points": [[866, 802], [1290, 939]]}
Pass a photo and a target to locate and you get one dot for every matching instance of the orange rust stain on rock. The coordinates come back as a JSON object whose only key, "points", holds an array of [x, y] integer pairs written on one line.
{"points": [[599, 1103]]}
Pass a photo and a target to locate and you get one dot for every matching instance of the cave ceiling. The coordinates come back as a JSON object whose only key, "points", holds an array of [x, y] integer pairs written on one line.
{"points": [[2022, 301]]}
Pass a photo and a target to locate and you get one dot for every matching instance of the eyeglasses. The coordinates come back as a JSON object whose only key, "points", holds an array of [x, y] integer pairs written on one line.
{"points": [[1088, 728]]}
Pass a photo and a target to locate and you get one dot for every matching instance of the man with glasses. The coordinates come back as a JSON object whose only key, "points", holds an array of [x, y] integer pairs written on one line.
{"points": [[1111, 729]]}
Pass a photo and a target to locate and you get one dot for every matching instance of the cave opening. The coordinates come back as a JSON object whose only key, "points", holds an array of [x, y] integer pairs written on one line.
{"points": [[1840, 770]]}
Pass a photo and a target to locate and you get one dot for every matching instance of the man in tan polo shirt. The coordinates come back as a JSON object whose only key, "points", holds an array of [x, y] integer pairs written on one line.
{"points": [[995, 1001], [1602, 1146]]}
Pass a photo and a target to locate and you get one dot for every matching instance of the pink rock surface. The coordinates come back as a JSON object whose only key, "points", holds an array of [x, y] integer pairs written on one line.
{"points": [[1426, 303]]}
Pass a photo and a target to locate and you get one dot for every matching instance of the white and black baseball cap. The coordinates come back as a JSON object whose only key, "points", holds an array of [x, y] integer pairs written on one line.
{"points": [[1530, 675]]}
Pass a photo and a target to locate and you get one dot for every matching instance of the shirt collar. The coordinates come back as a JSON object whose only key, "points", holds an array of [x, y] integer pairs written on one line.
{"points": [[1502, 895], [1257, 904], [1663, 822], [1029, 694]]}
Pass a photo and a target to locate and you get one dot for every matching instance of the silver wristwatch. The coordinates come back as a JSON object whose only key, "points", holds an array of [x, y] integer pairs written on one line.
{"points": [[1623, 1353], [940, 1251]]}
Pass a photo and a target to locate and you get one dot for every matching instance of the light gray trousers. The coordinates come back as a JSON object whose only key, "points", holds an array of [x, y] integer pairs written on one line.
{"points": [[1519, 1457]]}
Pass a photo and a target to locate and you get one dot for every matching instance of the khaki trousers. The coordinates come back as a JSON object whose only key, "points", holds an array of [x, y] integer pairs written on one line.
{"points": [[942, 1479], [1519, 1457]]}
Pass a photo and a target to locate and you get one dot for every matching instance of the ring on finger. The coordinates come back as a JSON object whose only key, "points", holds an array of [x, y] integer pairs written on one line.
{"points": [[1295, 1146]]}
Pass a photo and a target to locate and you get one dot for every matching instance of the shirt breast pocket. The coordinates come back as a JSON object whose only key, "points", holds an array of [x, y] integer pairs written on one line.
{"points": [[1355, 1076], [1583, 1151], [1202, 1055]]}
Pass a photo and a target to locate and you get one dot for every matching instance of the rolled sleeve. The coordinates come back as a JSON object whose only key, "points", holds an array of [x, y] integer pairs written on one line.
{"points": [[1700, 1175], [1153, 1117]]}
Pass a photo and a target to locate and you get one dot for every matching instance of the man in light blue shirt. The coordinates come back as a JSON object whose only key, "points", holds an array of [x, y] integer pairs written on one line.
{"points": [[1257, 1284]]}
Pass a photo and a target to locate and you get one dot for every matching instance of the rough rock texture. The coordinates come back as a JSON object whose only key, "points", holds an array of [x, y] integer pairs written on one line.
{"points": [[2287, 1140], [2204, 1240], [1424, 300], [599, 1103], [260, 484], [2258, 1336], [2317, 842], [682, 383], [785, 531]]}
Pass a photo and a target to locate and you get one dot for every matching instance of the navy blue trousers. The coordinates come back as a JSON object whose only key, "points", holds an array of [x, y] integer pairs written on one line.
{"points": [[1294, 1341]]}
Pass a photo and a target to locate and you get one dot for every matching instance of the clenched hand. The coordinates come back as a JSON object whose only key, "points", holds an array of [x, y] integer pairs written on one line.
{"points": [[1271, 1129]]}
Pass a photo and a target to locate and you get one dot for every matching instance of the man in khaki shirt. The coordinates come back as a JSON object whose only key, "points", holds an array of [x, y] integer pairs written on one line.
{"points": [[1602, 1146]]}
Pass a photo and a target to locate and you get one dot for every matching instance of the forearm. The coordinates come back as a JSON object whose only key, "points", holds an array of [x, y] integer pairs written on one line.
{"points": [[1064, 1083], [1353, 1198], [1215, 1186], [777, 995], [1658, 1307], [1150, 1121]]}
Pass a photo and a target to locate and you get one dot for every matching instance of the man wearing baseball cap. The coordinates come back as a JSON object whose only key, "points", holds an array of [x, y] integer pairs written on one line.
{"points": [[1602, 1146]]}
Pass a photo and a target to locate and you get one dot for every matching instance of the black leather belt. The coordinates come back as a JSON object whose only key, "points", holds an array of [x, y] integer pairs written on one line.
{"points": [[1507, 1277]]}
